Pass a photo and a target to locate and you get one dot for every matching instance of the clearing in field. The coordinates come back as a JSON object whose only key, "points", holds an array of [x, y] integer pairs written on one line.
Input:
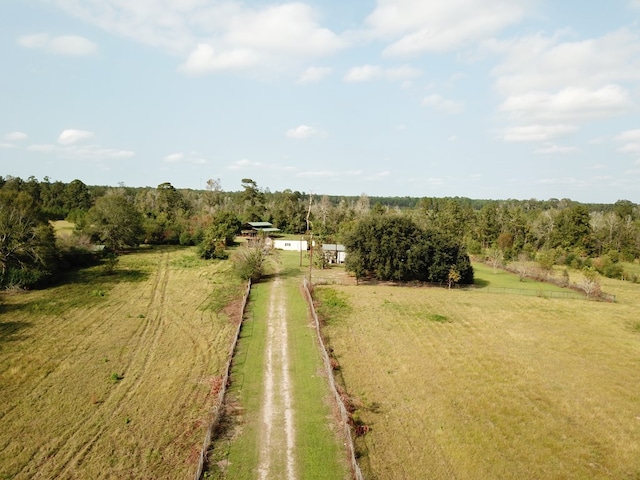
{"points": [[111, 376], [465, 384]]}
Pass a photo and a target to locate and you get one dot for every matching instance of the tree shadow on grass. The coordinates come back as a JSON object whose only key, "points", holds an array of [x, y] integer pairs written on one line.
{"points": [[97, 275], [481, 282], [10, 331]]}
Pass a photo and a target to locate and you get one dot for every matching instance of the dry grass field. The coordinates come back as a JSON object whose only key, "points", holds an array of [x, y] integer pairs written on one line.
{"points": [[470, 385], [114, 376]]}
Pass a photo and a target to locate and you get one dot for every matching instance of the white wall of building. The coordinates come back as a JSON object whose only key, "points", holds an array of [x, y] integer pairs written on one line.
{"points": [[295, 245]]}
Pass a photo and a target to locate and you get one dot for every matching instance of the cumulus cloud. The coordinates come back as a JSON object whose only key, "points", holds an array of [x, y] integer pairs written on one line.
{"points": [[415, 26], [16, 136], [180, 157], [314, 74], [555, 150], [73, 144], [630, 140], [71, 136], [69, 45], [550, 83], [569, 104], [441, 104], [536, 133], [365, 73], [82, 152], [304, 131], [338, 174], [244, 164], [215, 36], [629, 135], [205, 59]]}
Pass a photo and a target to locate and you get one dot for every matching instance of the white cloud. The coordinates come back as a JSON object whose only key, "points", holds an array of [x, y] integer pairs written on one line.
{"points": [[244, 164], [304, 131], [551, 86], [365, 73], [629, 135], [541, 63], [72, 144], [569, 104], [70, 45], [536, 133], [44, 148], [417, 26], [442, 104], [378, 176], [404, 72], [338, 174], [630, 148], [631, 141], [7, 145], [71, 136], [180, 157], [94, 152], [81, 152], [555, 150], [214, 36], [205, 59], [16, 136], [314, 74]]}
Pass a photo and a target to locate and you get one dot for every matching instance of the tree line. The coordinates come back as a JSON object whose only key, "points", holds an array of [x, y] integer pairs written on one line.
{"points": [[553, 231]]}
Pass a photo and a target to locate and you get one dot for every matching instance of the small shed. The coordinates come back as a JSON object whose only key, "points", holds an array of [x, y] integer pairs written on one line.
{"points": [[334, 252]]}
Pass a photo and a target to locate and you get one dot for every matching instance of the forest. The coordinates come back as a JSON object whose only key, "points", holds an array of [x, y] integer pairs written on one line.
{"points": [[597, 237]]}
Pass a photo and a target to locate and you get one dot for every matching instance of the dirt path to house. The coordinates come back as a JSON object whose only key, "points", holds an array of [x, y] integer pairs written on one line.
{"points": [[277, 439]]}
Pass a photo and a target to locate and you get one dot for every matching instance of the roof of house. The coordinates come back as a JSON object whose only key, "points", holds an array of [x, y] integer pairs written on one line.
{"points": [[260, 225], [334, 247]]}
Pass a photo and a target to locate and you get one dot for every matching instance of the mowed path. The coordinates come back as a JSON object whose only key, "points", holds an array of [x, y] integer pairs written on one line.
{"points": [[277, 440], [278, 422]]}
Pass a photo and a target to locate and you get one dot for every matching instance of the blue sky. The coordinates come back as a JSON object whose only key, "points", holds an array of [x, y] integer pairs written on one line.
{"points": [[477, 98]]}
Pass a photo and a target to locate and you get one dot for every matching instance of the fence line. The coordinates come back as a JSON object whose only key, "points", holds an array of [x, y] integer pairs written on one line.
{"points": [[344, 415], [532, 293], [215, 415]]}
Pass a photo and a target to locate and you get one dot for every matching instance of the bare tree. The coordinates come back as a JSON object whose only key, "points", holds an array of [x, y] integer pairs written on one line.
{"points": [[495, 257], [590, 283]]}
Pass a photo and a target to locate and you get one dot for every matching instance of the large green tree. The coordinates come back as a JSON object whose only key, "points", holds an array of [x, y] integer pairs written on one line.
{"points": [[394, 247], [27, 242], [115, 222]]}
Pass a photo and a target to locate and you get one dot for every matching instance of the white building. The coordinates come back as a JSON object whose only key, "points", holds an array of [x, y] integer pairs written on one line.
{"points": [[293, 245]]}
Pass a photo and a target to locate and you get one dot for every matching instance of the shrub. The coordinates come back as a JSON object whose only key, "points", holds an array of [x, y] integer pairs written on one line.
{"points": [[249, 262]]}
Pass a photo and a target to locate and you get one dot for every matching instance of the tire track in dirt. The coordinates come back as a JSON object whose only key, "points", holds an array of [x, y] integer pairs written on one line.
{"points": [[145, 341], [278, 433], [73, 344]]}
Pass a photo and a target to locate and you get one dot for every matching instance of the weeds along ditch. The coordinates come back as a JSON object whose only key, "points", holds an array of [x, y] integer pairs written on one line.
{"points": [[106, 376], [459, 384]]}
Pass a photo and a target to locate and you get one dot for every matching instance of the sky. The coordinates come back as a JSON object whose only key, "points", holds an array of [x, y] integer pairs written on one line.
{"points": [[425, 98]]}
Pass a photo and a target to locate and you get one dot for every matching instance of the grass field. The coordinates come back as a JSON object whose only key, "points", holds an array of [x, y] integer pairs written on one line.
{"points": [[111, 376], [319, 451], [465, 385]]}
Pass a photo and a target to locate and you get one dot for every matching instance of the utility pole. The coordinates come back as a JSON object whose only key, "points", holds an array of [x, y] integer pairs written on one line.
{"points": [[310, 257]]}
